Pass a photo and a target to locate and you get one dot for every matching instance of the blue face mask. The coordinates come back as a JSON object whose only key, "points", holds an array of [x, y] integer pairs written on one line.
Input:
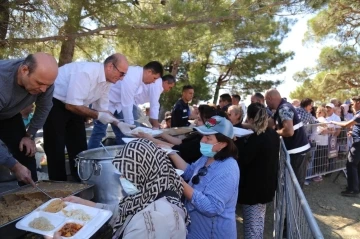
{"points": [[128, 187], [206, 149]]}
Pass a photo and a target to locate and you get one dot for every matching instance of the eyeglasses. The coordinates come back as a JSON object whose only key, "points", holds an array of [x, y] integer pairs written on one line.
{"points": [[121, 73], [202, 172]]}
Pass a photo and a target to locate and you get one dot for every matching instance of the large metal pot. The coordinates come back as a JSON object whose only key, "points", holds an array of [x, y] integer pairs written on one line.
{"points": [[95, 166]]}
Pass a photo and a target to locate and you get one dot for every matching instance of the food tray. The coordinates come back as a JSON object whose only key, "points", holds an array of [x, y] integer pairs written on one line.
{"points": [[167, 149], [239, 132], [152, 132], [98, 218], [85, 191], [178, 130]]}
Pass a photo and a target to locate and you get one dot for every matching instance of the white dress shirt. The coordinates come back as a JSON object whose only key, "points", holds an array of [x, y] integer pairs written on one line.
{"points": [[83, 83], [151, 93], [122, 94]]}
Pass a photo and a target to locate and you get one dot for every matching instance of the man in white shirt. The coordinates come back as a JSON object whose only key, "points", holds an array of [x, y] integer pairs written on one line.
{"points": [[122, 99], [151, 93], [78, 85]]}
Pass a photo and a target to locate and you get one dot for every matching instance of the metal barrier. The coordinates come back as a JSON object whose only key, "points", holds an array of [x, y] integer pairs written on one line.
{"points": [[291, 210], [329, 149]]}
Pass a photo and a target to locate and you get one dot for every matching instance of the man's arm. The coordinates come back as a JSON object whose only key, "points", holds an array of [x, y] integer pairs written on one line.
{"points": [[82, 110], [155, 91], [128, 91], [20, 171], [6, 158], [287, 130], [154, 123], [176, 116], [346, 124]]}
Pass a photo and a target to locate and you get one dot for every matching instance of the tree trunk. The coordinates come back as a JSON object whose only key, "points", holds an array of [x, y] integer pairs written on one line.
{"points": [[71, 26], [174, 68], [4, 22], [217, 89]]}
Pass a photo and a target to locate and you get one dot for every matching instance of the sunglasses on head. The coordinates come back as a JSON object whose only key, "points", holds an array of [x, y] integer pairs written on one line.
{"points": [[202, 172], [121, 73]]}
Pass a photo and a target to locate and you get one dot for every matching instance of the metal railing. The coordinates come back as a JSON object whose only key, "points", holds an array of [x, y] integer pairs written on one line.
{"points": [[329, 149], [292, 213]]}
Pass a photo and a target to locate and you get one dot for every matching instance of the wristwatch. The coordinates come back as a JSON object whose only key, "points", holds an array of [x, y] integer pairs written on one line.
{"points": [[31, 136]]}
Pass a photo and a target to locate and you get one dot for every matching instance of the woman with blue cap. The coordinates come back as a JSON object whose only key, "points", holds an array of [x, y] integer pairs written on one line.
{"points": [[213, 180]]}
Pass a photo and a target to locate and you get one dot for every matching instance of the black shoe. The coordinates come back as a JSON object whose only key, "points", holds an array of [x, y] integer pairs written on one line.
{"points": [[350, 193]]}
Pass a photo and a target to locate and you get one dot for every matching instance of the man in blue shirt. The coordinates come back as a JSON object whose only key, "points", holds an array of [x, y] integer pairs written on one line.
{"points": [[181, 111], [290, 127], [352, 165]]}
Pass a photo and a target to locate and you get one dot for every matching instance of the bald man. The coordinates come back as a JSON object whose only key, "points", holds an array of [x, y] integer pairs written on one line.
{"points": [[78, 85], [290, 127], [23, 82]]}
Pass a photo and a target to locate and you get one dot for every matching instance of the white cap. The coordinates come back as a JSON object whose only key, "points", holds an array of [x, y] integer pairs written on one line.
{"points": [[331, 105]]}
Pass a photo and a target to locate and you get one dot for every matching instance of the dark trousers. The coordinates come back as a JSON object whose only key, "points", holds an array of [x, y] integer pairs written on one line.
{"points": [[353, 167], [11, 132], [299, 165], [63, 128]]}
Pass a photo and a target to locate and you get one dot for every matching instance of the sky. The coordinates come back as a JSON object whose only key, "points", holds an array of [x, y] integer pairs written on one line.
{"points": [[305, 56]]}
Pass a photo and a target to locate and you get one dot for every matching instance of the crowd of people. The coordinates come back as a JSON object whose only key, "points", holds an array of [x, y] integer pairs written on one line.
{"points": [[221, 169]]}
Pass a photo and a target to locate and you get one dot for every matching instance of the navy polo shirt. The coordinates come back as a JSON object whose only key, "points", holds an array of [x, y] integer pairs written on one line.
{"points": [[356, 128]]}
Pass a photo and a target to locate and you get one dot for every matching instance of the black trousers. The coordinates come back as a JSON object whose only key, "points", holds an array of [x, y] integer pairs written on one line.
{"points": [[299, 165], [12, 130], [63, 128]]}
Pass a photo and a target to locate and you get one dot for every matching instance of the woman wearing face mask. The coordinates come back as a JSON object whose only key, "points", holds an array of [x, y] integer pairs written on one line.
{"points": [[154, 190], [259, 165], [211, 193]]}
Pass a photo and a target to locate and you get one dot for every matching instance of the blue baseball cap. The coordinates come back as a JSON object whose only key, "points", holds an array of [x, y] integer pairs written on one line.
{"points": [[217, 124]]}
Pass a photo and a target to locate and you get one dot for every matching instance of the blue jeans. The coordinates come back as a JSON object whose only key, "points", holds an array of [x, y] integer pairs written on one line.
{"points": [[99, 130]]}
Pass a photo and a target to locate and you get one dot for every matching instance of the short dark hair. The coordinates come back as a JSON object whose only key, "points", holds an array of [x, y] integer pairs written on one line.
{"points": [[225, 97], [306, 102], [31, 63], [236, 97], [207, 111], [187, 87], [259, 95], [111, 59], [229, 151], [169, 78], [156, 67], [355, 98]]}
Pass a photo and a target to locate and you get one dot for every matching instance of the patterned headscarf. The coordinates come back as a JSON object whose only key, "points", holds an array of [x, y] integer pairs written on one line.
{"points": [[149, 169]]}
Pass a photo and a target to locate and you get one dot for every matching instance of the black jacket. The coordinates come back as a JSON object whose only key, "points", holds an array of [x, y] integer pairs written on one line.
{"points": [[189, 149], [180, 114], [258, 161]]}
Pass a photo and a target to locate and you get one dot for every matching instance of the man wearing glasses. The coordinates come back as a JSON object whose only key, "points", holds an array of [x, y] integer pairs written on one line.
{"points": [[122, 102], [78, 85]]}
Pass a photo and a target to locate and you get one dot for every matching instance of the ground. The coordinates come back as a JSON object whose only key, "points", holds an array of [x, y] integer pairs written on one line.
{"points": [[337, 216]]}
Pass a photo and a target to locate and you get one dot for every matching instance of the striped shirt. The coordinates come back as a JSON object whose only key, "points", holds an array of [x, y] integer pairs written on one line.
{"points": [[213, 204]]}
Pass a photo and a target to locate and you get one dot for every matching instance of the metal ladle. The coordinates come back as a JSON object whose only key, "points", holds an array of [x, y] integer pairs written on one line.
{"points": [[37, 187], [105, 149]]}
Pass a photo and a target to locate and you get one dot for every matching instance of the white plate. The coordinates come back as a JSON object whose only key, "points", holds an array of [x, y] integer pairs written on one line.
{"points": [[152, 132], [98, 218], [179, 172], [239, 132], [127, 140]]}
